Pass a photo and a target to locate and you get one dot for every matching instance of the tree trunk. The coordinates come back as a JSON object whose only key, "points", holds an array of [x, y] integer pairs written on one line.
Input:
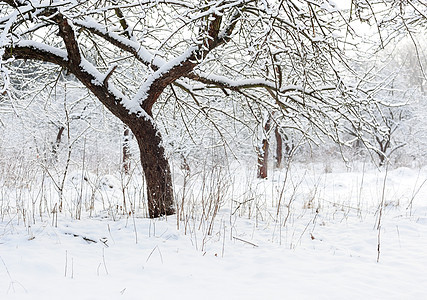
{"points": [[263, 152], [262, 159], [126, 149], [156, 169], [279, 147], [57, 143]]}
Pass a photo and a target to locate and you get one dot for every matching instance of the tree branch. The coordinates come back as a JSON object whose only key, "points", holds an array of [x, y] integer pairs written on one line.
{"points": [[35, 51], [125, 44], [69, 38], [181, 66], [123, 22]]}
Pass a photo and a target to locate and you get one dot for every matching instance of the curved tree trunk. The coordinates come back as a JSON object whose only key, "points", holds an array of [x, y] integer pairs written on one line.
{"points": [[156, 169], [154, 163]]}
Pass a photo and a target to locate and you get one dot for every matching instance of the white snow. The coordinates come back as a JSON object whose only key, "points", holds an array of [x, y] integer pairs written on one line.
{"points": [[325, 248], [43, 47]]}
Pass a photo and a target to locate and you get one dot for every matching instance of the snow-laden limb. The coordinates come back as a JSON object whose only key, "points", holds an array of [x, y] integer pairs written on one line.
{"points": [[40, 47], [147, 87], [99, 79], [131, 46], [39, 51], [236, 84]]}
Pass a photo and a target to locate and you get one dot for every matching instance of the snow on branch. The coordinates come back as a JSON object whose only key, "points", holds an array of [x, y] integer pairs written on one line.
{"points": [[34, 50], [164, 70], [227, 83], [128, 45]]}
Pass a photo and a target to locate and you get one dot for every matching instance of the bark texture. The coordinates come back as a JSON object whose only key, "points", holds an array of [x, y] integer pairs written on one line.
{"points": [[126, 150], [263, 154], [156, 169], [279, 147], [262, 160]]}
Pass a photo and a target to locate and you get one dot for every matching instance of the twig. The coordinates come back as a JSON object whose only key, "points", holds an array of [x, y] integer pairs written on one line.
{"points": [[103, 260], [381, 213], [88, 240], [151, 253], [66, 263], [239, 239], [110, 72]]}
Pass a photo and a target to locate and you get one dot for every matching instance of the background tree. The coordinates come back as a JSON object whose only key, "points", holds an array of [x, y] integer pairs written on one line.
{"points": [[394, 63]]}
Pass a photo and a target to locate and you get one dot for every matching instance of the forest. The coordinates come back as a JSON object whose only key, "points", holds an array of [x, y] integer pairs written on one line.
{"points": [[235, 149]]}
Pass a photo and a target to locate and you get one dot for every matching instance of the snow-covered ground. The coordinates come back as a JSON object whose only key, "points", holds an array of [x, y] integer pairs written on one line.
{"points": [[316, 240]]}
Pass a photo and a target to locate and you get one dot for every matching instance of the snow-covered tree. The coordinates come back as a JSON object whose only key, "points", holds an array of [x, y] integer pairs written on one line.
{"points": [[283, 58], [394, 66]]}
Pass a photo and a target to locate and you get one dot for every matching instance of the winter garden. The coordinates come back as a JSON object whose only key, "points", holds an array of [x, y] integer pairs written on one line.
{"points": [[213, 149]]}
